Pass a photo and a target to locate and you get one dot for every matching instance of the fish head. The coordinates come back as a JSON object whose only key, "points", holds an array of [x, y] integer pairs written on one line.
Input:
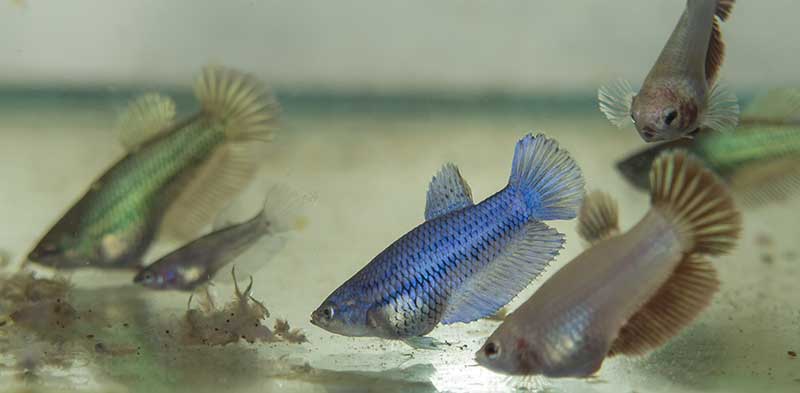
{"points": [[58, 250], [344, 315], [154, 277], [508, 352], [664, 113]]}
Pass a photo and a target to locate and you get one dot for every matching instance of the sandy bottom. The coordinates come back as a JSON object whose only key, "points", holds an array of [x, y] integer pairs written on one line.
{"points": [[369, 174]]}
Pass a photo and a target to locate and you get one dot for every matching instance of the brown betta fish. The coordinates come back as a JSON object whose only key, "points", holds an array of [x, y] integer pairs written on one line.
{"points": [[680, 94], [630, 292]]}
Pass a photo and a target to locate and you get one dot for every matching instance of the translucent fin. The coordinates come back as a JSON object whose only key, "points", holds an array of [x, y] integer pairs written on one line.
{"points": [[773, 181], [599, 217], [424, 342], [615, 101], [282, 212], [238, 100], [636, 167], [283, 209], [547, 179], [209, 188], [775, 106], [697, 201], [146, 117], [715, 54], [722, 109], [524, 258], [447, 192], [676, 304]]}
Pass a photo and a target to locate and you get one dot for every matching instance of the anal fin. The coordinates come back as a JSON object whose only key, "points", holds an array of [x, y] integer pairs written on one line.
{"points": [[447, 192], [598, 218], [676, 304], [523, 258], [772, 181], [204, 191]]}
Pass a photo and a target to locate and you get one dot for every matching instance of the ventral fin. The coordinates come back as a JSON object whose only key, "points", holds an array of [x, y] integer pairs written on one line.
{"points": [[676, 304], [772, 181], [146, 117], [447, 192], [598, 218], [722, 109], [525, 256], [615, 101], [209, 188]]}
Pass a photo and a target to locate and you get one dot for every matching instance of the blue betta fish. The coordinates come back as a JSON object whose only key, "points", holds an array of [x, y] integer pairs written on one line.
{"points": [[465, 261]]}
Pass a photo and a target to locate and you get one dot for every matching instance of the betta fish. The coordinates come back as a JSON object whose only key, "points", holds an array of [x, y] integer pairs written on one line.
{"points": [[628, 293], [466, 260], [680, 95], [175, 176], [197, 262]]}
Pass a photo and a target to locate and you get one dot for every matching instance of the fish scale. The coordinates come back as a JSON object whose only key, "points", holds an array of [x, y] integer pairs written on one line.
{"points": [[466, 260]]}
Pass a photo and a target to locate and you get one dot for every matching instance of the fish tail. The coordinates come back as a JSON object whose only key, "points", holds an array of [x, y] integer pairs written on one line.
{"points": [[546, 178], [697, 201], [244, 106], [247, 115], [283, 209]]}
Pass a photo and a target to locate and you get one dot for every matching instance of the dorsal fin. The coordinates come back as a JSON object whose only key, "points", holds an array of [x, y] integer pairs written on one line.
{"points": [[447, 192], [145, 117], [716, 46], [676, 304], [724, 9], [243, 109], [598, 218], [524, 257]]}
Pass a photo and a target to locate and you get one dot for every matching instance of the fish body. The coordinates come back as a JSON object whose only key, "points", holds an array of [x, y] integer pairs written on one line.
{"points": [[759, 163], [628, 293], [169, 170], [198, 261], [680, 94], [466, 260]]}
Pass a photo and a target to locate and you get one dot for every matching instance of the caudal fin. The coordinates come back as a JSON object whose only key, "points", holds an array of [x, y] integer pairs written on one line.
{"points": [[244, 106], [283, 209], [546, 178], [697, 201], [246, 113]]}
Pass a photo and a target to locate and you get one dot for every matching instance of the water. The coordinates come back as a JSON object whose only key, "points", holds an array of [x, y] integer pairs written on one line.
{"points": [[368, 160]]}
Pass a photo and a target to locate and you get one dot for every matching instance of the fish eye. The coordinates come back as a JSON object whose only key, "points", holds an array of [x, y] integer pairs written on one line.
{"points": [[671, 116], [327, 312], [148, 277], [491, 350]]}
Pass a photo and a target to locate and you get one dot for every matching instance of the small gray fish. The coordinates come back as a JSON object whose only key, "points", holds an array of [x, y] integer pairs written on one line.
{"points": [[198, 261], [466, 260], [680, 94], [628, 293]]}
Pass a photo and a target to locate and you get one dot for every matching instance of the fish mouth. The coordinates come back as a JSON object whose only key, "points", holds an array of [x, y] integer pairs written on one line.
{"points": [[648, 134]]}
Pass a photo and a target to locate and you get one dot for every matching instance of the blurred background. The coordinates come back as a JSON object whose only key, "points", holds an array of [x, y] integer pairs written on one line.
{"points": [[413, 45]]}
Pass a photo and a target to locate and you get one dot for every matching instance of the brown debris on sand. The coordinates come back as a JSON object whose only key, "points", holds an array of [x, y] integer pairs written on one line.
{"points": [[241, 319], [284, 331]]}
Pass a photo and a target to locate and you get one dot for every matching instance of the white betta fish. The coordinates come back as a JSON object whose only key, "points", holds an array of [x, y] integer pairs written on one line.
{"points": [[680, 95]]}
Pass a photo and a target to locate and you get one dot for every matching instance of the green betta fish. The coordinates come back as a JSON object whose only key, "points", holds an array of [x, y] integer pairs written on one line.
{"points": [[760, 161], [173, 180]]}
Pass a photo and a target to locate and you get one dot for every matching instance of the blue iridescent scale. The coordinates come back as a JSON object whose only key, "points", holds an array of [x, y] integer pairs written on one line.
{"points": [[413, 278]]}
